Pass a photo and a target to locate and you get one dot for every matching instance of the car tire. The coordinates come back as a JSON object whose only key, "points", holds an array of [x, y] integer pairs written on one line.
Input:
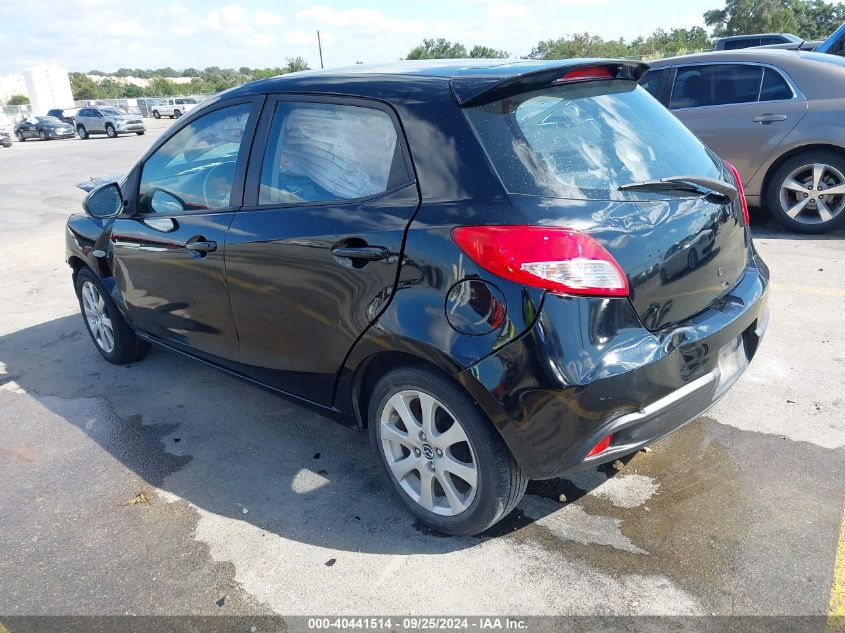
{"points": [[20, 136], [42, 135], [473, 447], [796, 182], [111, 132], [156, 114], [692, 260], [83, 133], [111, 334], [176, 114], [139, 133]]}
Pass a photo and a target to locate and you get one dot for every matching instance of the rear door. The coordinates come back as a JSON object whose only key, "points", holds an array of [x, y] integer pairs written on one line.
{"points": [[741, 111], [313, 256]]}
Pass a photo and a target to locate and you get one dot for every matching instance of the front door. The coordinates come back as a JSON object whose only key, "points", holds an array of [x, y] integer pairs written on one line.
{"points": [[313, 256], [741, 111], [169, 254]]}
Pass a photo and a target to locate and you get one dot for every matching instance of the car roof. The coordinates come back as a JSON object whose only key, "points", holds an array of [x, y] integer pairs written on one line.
{"points": [[469, 77], [740, 37], [758, 55]]}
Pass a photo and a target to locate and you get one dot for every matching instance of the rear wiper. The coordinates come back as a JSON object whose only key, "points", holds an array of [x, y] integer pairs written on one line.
{"points": [[713, 190]]}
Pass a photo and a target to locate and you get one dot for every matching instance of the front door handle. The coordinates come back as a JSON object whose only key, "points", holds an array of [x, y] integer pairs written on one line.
{"points": [[364, 253], [769, 118], [201, 247]]}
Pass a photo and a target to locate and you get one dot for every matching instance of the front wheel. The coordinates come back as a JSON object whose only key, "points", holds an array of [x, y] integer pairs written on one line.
{"points": [[42, 135], [112, 336], [139, 133], [443, 457], [807, 193], [83, 133], [110, 131], [177, 114]]}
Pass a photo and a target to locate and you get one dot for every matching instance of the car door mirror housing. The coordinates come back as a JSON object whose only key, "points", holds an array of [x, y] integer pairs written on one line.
{"points": [[106, 201]]}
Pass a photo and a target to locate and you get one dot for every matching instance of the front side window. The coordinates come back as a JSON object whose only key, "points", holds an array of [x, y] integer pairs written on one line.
{"points": [[732, 45], [716, 84], [195, 169], [584, 140], [321, 152]]}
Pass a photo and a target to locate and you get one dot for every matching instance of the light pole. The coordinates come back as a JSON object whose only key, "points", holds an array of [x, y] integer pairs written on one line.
{"points": [[320, 47]]}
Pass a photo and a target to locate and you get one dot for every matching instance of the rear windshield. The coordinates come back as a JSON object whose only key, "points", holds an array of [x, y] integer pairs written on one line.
{"points": [[584, 140]]}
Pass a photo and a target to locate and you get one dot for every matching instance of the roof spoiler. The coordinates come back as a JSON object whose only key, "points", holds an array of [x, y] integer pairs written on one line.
{"points": [[475, 86]]}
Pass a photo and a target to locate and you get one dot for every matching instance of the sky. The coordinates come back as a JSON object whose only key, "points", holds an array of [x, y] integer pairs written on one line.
{"points": [[108, 34]]}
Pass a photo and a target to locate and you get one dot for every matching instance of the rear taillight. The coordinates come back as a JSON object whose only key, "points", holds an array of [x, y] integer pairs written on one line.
{"points": [[555, 259], [741, 193]]}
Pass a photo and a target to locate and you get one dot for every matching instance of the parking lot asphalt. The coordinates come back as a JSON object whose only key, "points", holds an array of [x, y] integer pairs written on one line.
{"points": [[167, 487]]}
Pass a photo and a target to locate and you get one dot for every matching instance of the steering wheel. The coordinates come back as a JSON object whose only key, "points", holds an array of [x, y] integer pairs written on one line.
{"points": [[220, 198]]}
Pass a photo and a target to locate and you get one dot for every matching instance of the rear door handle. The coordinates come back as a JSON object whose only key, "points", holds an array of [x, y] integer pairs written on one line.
{"points": [[366, 253], [769, 118], [201, 246]]}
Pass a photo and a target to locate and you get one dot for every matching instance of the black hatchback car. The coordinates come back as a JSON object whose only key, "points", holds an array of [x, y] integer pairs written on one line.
{"points": [[467, 258]]}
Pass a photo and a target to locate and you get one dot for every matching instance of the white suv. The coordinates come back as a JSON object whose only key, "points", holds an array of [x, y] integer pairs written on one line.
{"points": [[174, 108]]}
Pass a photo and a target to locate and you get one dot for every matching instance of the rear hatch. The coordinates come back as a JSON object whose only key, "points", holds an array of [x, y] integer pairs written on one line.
{"points": [[592, 152]]}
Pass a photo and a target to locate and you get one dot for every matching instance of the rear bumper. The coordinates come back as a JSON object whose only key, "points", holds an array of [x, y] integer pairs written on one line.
{"points": [[587, 368]]}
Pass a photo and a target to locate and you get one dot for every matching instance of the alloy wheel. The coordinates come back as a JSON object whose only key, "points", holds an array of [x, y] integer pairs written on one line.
{"points": [[98, 319], [813, 194], [428, 452]]}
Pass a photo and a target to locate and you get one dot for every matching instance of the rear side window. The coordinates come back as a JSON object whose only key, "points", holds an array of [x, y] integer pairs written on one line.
{"points": [[715, 84], [774, 86], [584, 140], [321, 152]]}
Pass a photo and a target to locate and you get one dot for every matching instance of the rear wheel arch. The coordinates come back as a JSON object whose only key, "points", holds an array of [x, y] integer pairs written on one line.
{"points": [[796, 151], [375, 367]]}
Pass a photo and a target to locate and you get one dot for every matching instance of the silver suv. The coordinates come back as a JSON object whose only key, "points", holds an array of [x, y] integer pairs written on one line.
{"points": [[107, 120]]}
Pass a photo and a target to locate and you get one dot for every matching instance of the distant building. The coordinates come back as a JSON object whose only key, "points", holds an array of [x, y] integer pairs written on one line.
{"points": [[11, 85], [48, 86]]}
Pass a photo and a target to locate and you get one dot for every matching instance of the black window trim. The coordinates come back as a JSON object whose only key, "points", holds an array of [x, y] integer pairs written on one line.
{"points": [[133, 181], [256, 162], [797, 95]]}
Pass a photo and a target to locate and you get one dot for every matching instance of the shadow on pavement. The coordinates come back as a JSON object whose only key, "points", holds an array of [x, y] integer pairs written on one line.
{"points": [[233, 449]]}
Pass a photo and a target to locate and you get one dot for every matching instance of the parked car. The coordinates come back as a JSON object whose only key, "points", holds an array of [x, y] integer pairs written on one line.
{"points": [[64, 114], [5, 130], [461, 257], [777, 116], [734, 42], [174, 108], [43, 127], [106, 120], [835, 43]]}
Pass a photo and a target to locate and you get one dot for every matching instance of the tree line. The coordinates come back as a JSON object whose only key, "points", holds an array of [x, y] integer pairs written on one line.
{"points": [[810, 19], [161, 84]]}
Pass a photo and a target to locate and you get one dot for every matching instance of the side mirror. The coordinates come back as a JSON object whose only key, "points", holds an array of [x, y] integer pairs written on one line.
{"points": [[104, 202]]}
